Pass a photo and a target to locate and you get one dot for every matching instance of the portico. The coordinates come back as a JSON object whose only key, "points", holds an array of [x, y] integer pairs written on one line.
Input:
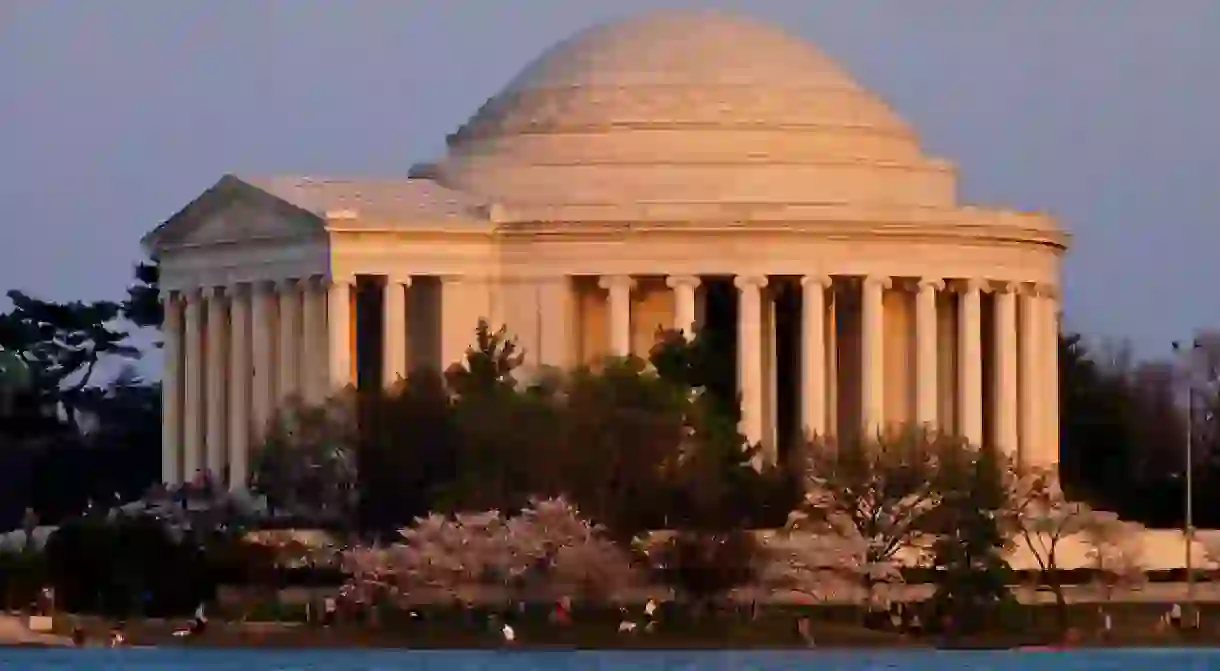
{"points": [[602, 198]]}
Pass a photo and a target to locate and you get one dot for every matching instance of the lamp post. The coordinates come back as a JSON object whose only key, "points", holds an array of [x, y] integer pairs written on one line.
{"points": [[1189, 522]]}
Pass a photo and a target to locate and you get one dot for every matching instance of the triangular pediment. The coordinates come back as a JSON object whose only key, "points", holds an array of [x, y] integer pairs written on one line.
{"points": [[234, 211]]}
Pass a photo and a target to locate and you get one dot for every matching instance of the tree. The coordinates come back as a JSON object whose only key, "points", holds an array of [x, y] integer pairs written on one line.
{"points": [[1042, 517], [1116, 552], [969, 552], [623, 432], [819, 563], [408, 452], [472, 557], [882, 491], [62, 343], [307, 463]]}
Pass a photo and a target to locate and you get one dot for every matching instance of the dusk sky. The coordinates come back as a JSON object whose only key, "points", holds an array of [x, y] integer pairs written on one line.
{"points": [[1105, 113]]}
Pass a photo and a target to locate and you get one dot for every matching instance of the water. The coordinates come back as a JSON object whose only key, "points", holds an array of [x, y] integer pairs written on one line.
{"points": [[14, 659]]}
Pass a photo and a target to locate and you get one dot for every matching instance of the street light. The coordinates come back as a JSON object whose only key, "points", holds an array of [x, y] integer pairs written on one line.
{"points": [[1189, 522]]}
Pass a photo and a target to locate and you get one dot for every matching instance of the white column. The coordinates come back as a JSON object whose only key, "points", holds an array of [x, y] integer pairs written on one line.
{"points": [[684, 287], [1030, 376], [872, 355], [339, 332], [240, 381], [290, 340], [749, 354], [171, 390], [927, 384], [262, 332], [192, 404], [1005, 424], [970, 364], [813, 355], [394, 327], [1050, 375], [216, 355], [314, 385], [619, 288]]}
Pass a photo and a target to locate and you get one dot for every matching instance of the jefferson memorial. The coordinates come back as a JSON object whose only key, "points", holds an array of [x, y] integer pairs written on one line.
{"points": [[677, 170]]}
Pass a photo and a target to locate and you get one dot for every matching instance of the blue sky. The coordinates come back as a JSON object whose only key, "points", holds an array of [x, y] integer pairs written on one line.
{"points": [[1104, 112]]}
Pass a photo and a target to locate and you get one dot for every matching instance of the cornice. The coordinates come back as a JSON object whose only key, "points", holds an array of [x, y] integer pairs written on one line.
{"points": [[845, 230]]}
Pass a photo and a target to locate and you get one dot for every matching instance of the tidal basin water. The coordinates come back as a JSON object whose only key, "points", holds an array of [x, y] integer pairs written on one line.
{"points": [[16, 659]]}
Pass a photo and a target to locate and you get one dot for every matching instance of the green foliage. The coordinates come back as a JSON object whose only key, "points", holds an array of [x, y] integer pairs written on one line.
{"points": [[62, 343], [704, 566], [307, 464], [124, 566], [969, 555]]}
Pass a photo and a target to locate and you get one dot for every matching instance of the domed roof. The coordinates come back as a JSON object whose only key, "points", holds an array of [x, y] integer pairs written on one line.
{"points": [[712, 101], [673, 48]]}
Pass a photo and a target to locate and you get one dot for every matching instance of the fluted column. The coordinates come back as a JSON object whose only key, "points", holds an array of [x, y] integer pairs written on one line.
{"points": [[313, 359], [970, 363], [684, 287], [394, 325], [171, 390], [872, 354], [927, 382], [290, 339], [1050, 352], [239, 386], [750, 354], [1005, 426], [813, 354], [193, 394], [262, 361], [619, 288], [216, 355], [1029, 357], [339, 332]]}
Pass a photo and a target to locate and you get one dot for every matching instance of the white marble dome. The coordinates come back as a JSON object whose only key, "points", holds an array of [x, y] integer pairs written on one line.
{"points": [[690, 107]]}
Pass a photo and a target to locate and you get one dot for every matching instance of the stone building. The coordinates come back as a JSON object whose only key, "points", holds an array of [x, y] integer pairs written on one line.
{"points": [[688, 170]]}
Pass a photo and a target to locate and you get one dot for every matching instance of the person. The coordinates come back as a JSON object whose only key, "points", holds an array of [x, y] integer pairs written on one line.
{"points": [[509, 634], [329, 609], [561, 615], [1175, 616], [802, 630], [200, 623], [117, 640]]}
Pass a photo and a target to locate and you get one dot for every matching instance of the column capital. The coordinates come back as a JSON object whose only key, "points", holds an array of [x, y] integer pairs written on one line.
{"points": [[675, 281], [616, 281], [341, 280], [750, 281], [1041, 290], [402, 280], [286, 284], [817, 280], [970, 285], [883, 281], [215, 292], [1005, 287], [930, 284], [168, 296]]}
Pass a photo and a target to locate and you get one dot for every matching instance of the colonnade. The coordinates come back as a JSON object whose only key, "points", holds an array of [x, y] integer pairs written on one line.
{"points": [[234, 354]]}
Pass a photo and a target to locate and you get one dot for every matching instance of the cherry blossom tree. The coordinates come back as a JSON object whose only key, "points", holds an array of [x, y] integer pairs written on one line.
{"points": [[878, 496], [824, 565], [1042, 517], [1116, 552], [472, 556]]}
